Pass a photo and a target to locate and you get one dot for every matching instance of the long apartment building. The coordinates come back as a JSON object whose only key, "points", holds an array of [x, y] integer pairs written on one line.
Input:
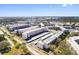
{"points": [[44, 44], [30, 33]]}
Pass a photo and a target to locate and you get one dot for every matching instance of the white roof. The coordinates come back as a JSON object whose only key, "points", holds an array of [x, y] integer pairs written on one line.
{"points": [[74, 38], [74, 43], [41, 24], [46, 36], [16, 25], [38, 36], [28, 29], [53, 37], [33, 30], [62, 28]]}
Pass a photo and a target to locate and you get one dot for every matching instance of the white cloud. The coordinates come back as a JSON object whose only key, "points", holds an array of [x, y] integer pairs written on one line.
{"points": [[64, 5]]}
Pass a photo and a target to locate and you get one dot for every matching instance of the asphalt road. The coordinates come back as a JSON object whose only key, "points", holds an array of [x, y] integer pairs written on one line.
{"points": [[15, 37], [34, 50]]}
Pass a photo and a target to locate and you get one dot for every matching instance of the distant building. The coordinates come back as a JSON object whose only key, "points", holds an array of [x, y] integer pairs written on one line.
{"points": [[42, 25], [77, 27], [74, 41], [26, 29], [13, 27], [68, 26]]}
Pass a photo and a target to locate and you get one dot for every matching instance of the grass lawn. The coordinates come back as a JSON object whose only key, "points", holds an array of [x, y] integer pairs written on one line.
{"points": [[14, 51], [19, 49], [64, 49]]}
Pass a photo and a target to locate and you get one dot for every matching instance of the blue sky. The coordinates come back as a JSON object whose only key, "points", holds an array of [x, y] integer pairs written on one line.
{"points": [[39, 10]]}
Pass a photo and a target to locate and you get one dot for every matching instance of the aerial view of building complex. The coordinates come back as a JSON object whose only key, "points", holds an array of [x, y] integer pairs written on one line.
{"points": [[37, 29]]}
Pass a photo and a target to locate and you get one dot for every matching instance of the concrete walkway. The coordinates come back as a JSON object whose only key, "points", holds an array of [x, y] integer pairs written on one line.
{"points": [[9, 40]]}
